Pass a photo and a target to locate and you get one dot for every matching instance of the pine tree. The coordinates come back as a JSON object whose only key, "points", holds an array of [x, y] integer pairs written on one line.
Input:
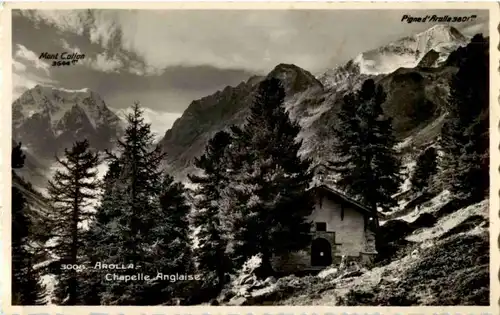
{"points": [[212, 234], [17, 157], [71, 192], [425, 168], [269, 185], [27, 287], [367, 161], [465, 133], [93, 279], [141, 220], [171, 252], [123, 220]]}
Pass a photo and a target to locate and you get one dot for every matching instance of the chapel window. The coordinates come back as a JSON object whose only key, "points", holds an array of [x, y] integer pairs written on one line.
{"points": [[321, 226]]}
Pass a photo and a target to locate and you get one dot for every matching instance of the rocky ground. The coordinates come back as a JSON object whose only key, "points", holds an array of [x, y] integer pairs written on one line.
{"points": [[436, 255]]}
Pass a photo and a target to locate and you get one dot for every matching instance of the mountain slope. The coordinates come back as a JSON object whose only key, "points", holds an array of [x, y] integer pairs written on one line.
{"points": [[415, 99], [204, 117]]}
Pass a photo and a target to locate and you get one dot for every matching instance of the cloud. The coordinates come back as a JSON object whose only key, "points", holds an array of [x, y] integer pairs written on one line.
{"points": [[475, 29], [103, 27], [73, 21], [226, 41], [28, 71], [102, 61], [26, 54], [22, 82], [160, 121], [168, 58], [18, 66], [142, 69], [106, 63], [66, 46], [253, 40], [92, 24]]}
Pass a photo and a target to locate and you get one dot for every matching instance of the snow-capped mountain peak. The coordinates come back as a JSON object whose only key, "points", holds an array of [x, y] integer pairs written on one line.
{"points": [[406, 52], [56, 102], [440, 34], [49, 118]]}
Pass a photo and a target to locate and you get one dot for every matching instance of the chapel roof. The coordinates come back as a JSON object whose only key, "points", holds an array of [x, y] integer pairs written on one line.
{"points": [[332, 191]]}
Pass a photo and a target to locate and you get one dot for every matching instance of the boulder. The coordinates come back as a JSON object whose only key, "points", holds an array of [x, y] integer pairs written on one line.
{"points": [[424, 220], [214, 302], [270, 280], [354, 273], [248, 279], [325, 273], [414, 253]]}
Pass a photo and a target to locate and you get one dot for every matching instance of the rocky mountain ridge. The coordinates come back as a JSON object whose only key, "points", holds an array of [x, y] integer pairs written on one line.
{"points": [[204, 117], [415, 98], [47, 119]]}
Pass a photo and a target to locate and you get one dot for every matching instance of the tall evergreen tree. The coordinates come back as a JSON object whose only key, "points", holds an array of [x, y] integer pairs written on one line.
{"points": [[71, 193], [425, 168], [94, 251], [269, 182], [465, 134], [212, 234], [27, 287], [18, 157], [367, 163], [171, 252], [140, 222]]}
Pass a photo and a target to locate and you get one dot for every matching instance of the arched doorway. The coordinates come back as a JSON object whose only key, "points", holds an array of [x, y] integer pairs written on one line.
{"points": [[321, 252]]}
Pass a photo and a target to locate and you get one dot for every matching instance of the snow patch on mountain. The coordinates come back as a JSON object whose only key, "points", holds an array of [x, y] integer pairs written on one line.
{"points": [[314, 114], [374, 64], [84, 90], [450, 221]]}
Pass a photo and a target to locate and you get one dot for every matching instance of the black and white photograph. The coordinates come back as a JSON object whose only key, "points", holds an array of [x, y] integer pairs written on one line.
{"points": [[251, 157]]}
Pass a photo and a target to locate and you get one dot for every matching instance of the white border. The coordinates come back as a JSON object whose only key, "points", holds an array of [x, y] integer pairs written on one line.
{"points": [[5, 136]]}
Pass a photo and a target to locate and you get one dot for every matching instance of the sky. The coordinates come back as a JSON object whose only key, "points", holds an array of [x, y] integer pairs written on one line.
{"points": [[166, 59]]}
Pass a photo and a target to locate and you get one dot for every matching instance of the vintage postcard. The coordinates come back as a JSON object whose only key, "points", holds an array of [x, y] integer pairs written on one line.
{"points": [[171, 158]]}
